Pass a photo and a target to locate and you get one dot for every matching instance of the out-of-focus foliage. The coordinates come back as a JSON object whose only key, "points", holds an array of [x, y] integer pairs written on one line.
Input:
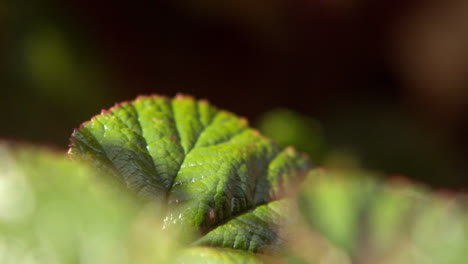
{"points": [[49, 66], [213, 255], [369, 137], [289, 128], [354, 217], [56, 211]]}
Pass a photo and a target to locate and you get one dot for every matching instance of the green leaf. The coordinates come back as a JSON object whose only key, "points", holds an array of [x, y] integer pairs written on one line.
{"points": [[212, 171], [302, 131], [53, 210], [208, 255], [360, 218]]}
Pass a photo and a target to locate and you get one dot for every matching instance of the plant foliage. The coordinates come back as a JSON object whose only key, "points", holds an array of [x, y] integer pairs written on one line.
{"points": [[212, 172], [207, 188]]}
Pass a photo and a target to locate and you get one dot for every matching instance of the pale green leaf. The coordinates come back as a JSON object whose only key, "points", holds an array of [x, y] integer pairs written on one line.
{"points": [[364, 219], [55, 211]]}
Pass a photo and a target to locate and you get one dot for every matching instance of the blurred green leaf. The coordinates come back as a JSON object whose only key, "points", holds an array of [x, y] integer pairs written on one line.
{"points": [[55, 211], [368, 220], [50, 66], [218, 255], [289, 128]]}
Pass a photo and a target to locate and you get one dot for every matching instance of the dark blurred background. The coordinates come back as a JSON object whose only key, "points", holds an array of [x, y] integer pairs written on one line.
{"points": [[376, 84]]}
